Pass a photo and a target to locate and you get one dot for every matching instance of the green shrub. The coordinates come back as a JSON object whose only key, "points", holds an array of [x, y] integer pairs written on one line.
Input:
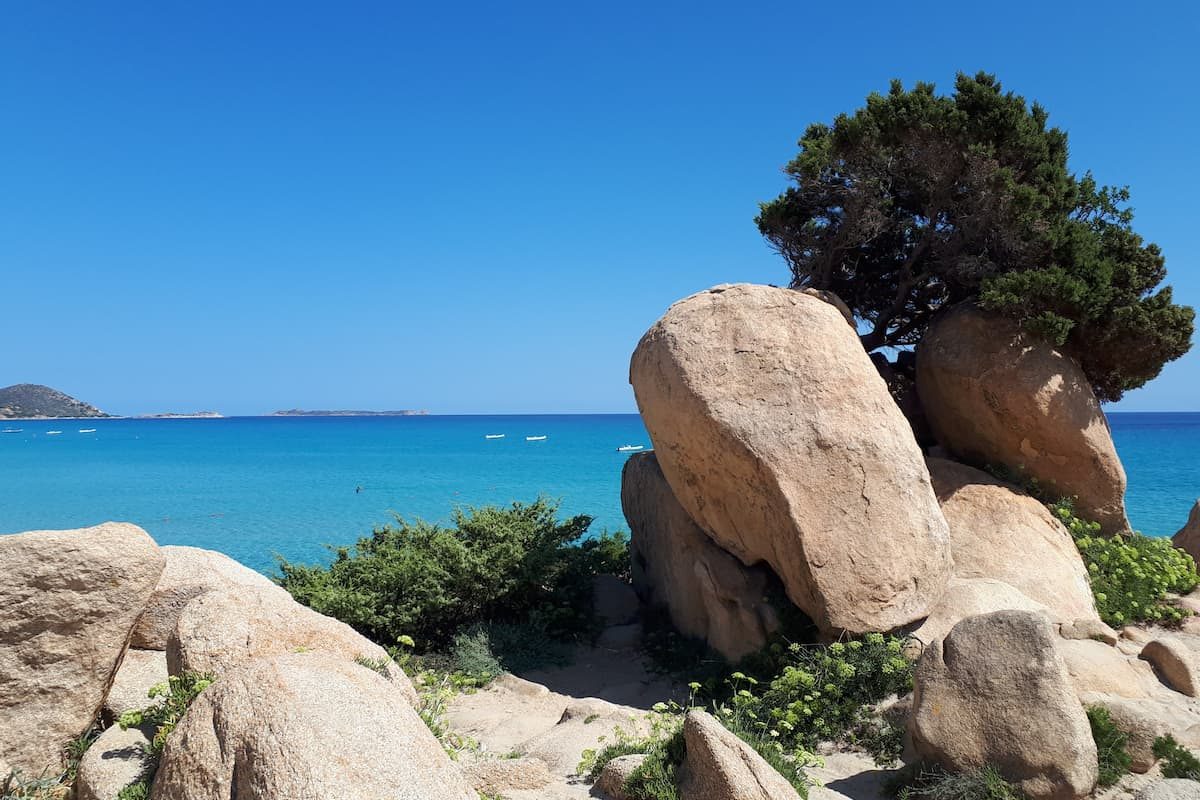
{"points": [[1111, 753], [492, 648], [472, 653], [507, 565], [824, 692], [1176, 761], [1131, 575], [937, 784], [657, 777]]}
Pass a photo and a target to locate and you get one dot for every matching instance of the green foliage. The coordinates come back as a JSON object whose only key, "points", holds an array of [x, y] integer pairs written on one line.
{"points": [[504, 565], [135, 791], [917, 201], [1131, 575], [173, 698], [435, 690], [1176, 761], [935, 783], [377, 665], [749, 717], [1113, 757], [658, 775], [492, 648], [656, 778], [16, 786], [472, 653], [824, 692]]}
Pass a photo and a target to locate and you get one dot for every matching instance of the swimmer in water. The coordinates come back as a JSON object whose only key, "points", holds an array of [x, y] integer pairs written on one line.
{"points": [[358, 490]]}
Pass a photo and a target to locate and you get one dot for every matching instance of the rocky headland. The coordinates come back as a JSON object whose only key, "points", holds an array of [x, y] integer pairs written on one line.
{"points": [[33, 401]]}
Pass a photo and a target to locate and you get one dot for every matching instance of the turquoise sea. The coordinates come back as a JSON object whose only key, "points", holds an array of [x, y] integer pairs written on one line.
{"points": [[255, 486]]}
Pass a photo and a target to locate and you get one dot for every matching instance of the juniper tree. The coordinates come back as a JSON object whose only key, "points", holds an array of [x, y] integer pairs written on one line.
{"points": [[917, 201]]}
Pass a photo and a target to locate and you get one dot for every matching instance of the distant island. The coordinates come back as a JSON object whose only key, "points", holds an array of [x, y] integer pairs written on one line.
{"points": [[297, 412], [33, 401], [192, 415]]}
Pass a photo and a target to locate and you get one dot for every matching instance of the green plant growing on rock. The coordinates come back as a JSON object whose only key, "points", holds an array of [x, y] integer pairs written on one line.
{"points": [[825, 692], [1131, 575], [916, 202], [656, 778], [519, 564], [173, 699], [1176, 760], [1111, 753], [135, 791]]}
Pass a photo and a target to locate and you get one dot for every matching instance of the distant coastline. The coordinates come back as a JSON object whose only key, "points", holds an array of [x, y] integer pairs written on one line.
{"points": [[297, 412], [173, 415]]}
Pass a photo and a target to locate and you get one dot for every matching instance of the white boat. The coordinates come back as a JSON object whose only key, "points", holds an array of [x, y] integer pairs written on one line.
{"points": [[493, 436], [53, 433], [630, 448], [535, 438], [12, 430], [87, 430]]}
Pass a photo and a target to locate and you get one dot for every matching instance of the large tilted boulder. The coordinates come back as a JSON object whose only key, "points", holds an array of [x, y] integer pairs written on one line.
{"points": [[218, 631], [999, 532], [708, 593], [190, 571], [995, 394], [305, 725], [68, 600], [779, 438], [1187, 538], [995, 691], [720, 766]]}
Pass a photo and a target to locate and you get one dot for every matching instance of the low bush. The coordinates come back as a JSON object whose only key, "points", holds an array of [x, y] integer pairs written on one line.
{"points": [[932, 783], [1176, 761], [657, 776], [492, 565], [826, 693], [1111, 753], [1131, 575], [496, 647]]}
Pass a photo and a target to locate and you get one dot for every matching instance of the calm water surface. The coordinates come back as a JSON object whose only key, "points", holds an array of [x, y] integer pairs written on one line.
{"points": [[255, 486]]}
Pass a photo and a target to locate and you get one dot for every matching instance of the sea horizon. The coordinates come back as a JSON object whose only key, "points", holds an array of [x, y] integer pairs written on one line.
{"points": [[254, 486]]}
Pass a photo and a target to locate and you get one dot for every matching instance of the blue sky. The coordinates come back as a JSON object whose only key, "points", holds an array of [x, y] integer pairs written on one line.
{"points": [[480, 207]]}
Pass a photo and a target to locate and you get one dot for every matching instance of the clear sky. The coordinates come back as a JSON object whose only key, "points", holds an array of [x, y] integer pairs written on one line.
{"points": [[480, 207]]}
